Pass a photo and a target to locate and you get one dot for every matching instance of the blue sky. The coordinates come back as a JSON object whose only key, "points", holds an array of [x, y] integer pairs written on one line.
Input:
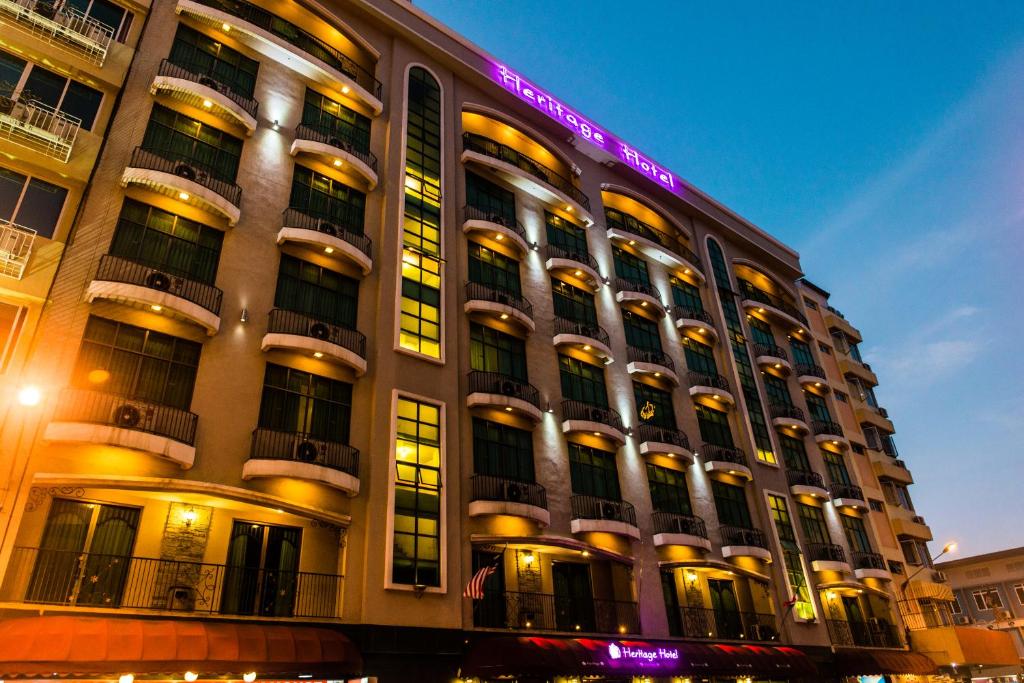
{"points": [[900, 125]]}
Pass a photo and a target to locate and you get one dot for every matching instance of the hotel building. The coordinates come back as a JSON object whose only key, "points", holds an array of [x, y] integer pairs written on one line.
{"points": [[352, 312]]}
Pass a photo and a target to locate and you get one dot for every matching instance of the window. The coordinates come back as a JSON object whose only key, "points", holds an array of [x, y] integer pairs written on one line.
{"points": [[915, 552], [792, 557], [657, 404], [494, 351], [421, 304], [160, 239], [668, 490], [812, 520], [876, 505], [841, 397], [582, 381], [34, 82], [957, 609], [568, 236], [623, 221], [794, 454], [177, 137], [12, 320], [629, 267], [810, 304], [593, 472], [497, 203], [641, 333], [837, 472], [987, 598], [205, 56], [107, 13], [801, 352], [857, 448], [825, 349], [502, 451], [685, 296], [1018, 589], [303, 403], [699, 357], [856, 533], [493, 269], [30, 202], [817, 407], [731, 504], [336, 120], [776, 391], [855, 353], [714, 426], [761, 332], [320, 196], [318, 292], [416, 551], [572, 303], [125, 360]]}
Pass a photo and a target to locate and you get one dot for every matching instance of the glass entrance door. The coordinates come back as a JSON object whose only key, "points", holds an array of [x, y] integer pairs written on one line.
{"points": [[262, 572], [574, 601], [726, 609]]}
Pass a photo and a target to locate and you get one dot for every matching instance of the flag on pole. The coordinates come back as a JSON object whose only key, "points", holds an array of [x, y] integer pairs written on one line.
{"points": [[791, 601], [475, 587]]}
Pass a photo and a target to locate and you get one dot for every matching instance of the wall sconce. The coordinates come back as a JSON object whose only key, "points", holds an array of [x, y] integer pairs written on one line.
{"points": [[245, 315], [249, 677], [276, 125], [191, 676], [629, 431], [189, 517], [550, 409], [535, 246], [529, 558]]}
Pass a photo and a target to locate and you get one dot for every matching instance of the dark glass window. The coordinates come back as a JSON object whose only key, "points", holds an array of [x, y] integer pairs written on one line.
{"points": [[699, 357], [812, 519], [856, 534], [572, 303], [593, 472], [205, 56], [794, 454], [776, 390], [491, 268], [11, 69], [685, 295], [304, 403], [502, 451], [817, 407], [323, 197], [336, 120], [668, 490], [494, 200], [761, 332], [494, 351], [714, 426], [423, 164], [321, 293], [30, 202], [582, 381], [623, 221], [731, 504], [641, 333], [417, 540], [107, 13], [52, 89], [569, 236], [180, 138], [837, 472], [660, 403], [630, 267], [801, 352]]}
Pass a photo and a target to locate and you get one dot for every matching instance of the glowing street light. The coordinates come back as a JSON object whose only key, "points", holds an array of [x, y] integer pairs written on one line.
{"points": [[30, 396]]}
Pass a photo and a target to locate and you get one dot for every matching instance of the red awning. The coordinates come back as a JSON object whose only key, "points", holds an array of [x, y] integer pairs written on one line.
{"points": [[545, 657], [97, 646], [868, 662]]}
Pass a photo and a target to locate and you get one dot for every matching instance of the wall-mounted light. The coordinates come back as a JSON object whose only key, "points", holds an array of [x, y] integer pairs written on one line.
{"points": [[30, 396], [189, 517], [249, 677], [535, 246], [529, 558], [245, 315], [276, 125], [191, 676], [126, 678]]}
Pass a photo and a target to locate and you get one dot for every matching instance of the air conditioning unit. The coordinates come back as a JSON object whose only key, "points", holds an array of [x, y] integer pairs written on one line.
{"points": [[328, 228], [320, 330], [884, 413], [1003, 615], [609, 510], [939, 577], [127, 415], [210, 83], [514, 491], [158, 280], [962, 620], [502, 298], [509, 388], [306, 451], [596, 415], [917, 520], [187, 171]]}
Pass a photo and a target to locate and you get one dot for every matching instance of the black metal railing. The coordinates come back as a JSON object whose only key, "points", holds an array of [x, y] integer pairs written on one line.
{"points": [[592, 507], [705, 623], [810, 370], [635, 354], [785, 410], [655, 434], [271, 444], [348, 228], [335, 138], [97, 407], [595, 332], [175, 163], [623, 284], [672, 523], [92, 580], [118, 269], [714, 453], [826, 552], [303, 325], [581, 410], [550, 251], [504, 385], [475, 213], [805, 478], [770, 350], [488, 487], [547, 612], [863, 634], [757, 294], [862, 560], [172, 70], [476, 291], [472, 142], [703, 316], [293, 35], [737, 535], [848, 491], [706, 379], [826, 427]]}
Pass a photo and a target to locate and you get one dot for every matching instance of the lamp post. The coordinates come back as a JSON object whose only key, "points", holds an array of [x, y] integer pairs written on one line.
{"points": [[948, 548]]}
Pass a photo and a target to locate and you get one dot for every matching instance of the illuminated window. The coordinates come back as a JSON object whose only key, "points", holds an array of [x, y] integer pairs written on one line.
{"points": [[792, 556], [421, 304], [416, 550]]}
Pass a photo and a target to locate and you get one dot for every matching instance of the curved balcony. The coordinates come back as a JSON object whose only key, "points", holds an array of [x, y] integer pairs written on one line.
{"points": [[62, 26], [287, 44], [185, 180], [203, 91], [687, 530], [15, 248], [502, 392], [697, 323], [905, 523], [788, 416], [302, 456], [829, 433], [655, 440], [340, 239], [35, 125], [527, 174], [773, 358], [742, 542], [639, 294], [337, 150], [656, 245], [725, 459], [847, 495], [714, 387], [870, 566], [579, 264], [500, 305], [86, 416], [651, 362], [764, 302], [888, 467], [849, 365], [812, 377], [505, 229], [589, 338], [590, 513], [125, 281], [827, 557], [492, 495], [587, 418], [804, 483], [294, 331]]}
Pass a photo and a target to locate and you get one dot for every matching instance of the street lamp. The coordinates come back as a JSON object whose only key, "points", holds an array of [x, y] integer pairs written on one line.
{"points": [[948, 548]]}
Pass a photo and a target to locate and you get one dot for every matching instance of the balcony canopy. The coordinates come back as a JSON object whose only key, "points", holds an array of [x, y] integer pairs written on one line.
{"points": [[877, 662]]}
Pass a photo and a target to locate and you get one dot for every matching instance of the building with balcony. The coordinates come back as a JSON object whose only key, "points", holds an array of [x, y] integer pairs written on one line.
{"points": [[352, 317]]}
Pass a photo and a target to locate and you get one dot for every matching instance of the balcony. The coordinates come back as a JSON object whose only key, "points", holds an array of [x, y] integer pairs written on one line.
{"points": [[125, 281], [641, 295], [588, 418], [337, 150], [804, 483], [303, 456], [858, 369], [85, 416], [500, 305], [869, 566], [497, 227], [29, 123], [338, 238], [847, 495], [772, 358], [15, 249], [65, 28], [93, 581], [655, 440], [574, 262], [184, 179], [889, 468], [872, 633], [812, 377], [767, 303], [788, 416], [204, 92], [513, 610], [492, 495], [911, 525], [503, 392], [527, 174], [590, 513], [686, 530], [829, 433], [294, 331], [710, 386], [286, 43], [827, 557], [876, 417], [655, 244], [699, 324], [651, 362], [725, 459], [589, 338], [742, 542], [835, 320], [711, 624]]}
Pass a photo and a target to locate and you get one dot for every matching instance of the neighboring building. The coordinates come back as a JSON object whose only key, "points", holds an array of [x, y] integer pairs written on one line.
{"points": [[351, 312]]}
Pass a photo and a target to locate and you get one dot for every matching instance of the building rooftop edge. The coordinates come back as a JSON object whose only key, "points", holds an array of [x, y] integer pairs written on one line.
{"points": [[983, 557]]}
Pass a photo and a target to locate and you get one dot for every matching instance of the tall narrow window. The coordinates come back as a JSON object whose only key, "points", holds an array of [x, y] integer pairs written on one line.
{"points": [[731, 504], [210, 58], [856, 534], [298, 402], [668, 490], [568, 236], [582, 381], [812, 519], [318, 292], [593, 472], [416, 551], [837, 471], [803, 607]]}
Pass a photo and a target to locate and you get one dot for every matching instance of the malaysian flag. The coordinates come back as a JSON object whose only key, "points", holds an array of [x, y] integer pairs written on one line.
{"points": [[475, 587]]}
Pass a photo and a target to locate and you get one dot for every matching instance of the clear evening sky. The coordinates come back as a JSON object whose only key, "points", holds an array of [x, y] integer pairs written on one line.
{"points": [[885, 142]]}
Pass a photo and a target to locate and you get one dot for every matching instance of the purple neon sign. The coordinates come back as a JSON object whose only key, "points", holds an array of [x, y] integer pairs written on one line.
{"points": [[584, 128]]}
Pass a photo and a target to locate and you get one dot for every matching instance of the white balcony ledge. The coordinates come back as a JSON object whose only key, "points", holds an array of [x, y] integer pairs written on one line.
{"points": [[198, 94], [653, 369], [688, 540], [714, 393], [811, 491], [746, 551], [331, 246], [704, 331], [500, 311], [496, 231], [480, 399], [156, 300], [292, 469], [608, 526], [669, 449], [587, 344], [594, 429], [333, 154], [183, 190], [830, 566], [644, 301], [586, 274], [312, 346], [872, 574], [482, 508], [656, 251], [164, 447], [725, 467]]}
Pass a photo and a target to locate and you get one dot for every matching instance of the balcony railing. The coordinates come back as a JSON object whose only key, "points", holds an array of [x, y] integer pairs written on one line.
{"points": [[91, 580], [715, 453], [117, 269], [61, 25], [503, 385], [653, 356], [737, 535], [338, 140], [271, 444], [506, 220], [472, 142], [623, 284], [770, 350], [671, 523], [171, 70], [595, 332], [476, 291], [348, 228], [488, 487], [787, 411], [293, 35], [550, 251], [810, 370], [846, 491], [826, 552], [303, 325], [592, 507], [167, 161], [30, 123], [805, 478], [15, 249], [753, 293], [705, 623], [826, 427], [649, 232], [682, 313], [548, 612], [655, 434], [868, 561], [705, 379], [97, 407], [581, 410], [863, 634]]}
